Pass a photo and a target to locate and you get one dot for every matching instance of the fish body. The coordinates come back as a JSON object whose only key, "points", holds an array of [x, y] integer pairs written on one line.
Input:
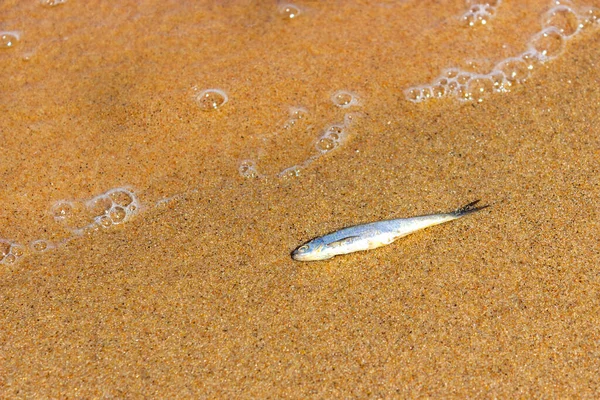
{"points": [[373, 235]]}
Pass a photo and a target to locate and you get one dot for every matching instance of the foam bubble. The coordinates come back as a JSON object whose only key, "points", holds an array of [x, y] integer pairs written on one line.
{"points": [[438, 90], [330, 139], [289, 11], [41, 245], [120, 197], [451, 73], [9, 39], [325, 144], [99, 205], [17, 250], [10, 252], [549, 43], [211, 99], [413, 94], [479, 88], [426, 93], [117, 214], [335, 131], [344, 99], [114, 206], [103, 221], [463, 78], [514, 70], [122, 204], [563, 18], [452, 87], [62, 210], [497, 78], [462, 93], [9, 259], [531, 60]]}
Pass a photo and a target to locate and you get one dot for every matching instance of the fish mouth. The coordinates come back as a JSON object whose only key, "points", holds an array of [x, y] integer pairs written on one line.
{"points": [[309, 256], [297, 256]]}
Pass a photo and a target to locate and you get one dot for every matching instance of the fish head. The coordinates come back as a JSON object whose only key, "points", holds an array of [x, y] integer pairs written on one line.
{"points": [[312, 251]]}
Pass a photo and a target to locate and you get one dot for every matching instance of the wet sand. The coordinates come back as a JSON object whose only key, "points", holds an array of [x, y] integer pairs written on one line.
{"points": [[197, 296]]}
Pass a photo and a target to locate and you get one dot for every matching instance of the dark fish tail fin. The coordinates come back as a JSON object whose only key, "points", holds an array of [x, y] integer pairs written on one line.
{"points": [[468, 209]]}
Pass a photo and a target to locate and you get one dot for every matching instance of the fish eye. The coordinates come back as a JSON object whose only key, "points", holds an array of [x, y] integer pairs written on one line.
{"points": [[303, 248]]}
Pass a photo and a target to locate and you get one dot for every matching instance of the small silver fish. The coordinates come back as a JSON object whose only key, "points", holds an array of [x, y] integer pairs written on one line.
{"points": [[373, 235]]}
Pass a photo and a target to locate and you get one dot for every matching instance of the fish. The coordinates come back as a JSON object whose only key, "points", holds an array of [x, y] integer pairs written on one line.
{"points": [[375, 234]]}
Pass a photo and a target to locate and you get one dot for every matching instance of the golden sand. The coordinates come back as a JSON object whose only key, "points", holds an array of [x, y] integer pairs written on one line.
{"points": [[197, 296]]}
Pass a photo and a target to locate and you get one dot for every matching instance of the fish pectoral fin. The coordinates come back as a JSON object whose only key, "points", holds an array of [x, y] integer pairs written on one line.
{"points": [[342, 242]]}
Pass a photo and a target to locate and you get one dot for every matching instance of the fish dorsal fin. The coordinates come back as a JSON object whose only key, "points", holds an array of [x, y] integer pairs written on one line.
{"points": [[342, 242]]}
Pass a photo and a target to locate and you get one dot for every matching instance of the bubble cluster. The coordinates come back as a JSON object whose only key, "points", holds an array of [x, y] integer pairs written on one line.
{"points": [[344, 99], [289, 11], [330, 139], [113, 207], [9, 39], [299, 127], [559, 24], [211, 99], [479, 13], [10, 252]]}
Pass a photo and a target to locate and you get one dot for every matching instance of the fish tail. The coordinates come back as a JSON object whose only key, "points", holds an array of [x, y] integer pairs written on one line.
{"points": [[468, 209]]}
